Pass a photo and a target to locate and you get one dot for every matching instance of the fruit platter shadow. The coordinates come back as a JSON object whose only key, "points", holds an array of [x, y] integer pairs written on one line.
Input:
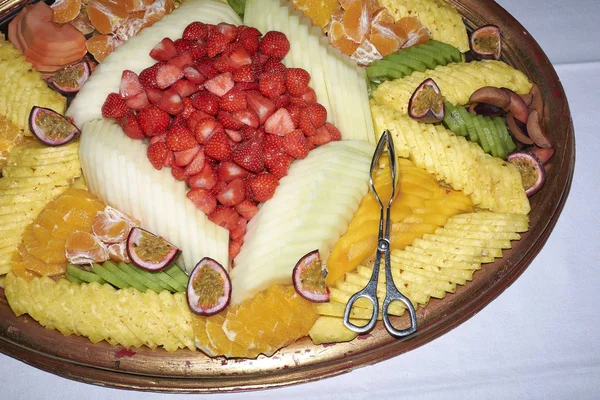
{"points": [[184, 371]]}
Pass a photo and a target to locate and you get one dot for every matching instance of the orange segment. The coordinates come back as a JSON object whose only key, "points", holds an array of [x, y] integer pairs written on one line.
{"points": [[102, 45], [118, 252], [339, 39], [65, 10], [157, 10], [366, 53], [414, 30], [319, 11], [384, 34], [112, 226], [82, 22], [357, 21], [85, 248], [106, 16]]}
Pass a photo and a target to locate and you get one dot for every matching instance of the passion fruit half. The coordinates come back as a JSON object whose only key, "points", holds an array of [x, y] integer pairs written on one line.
{"points": [[209, 288], [485, 42], [531, 168], [70, 79], [50, 127], [149, 251], [427, 103], [309, 276]]}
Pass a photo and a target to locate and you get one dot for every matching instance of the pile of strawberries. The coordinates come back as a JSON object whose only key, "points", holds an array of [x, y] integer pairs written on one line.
{"points": [[225, 114]]}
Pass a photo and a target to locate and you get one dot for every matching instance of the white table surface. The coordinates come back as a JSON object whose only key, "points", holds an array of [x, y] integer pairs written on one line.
{"points": [[538, 339]]}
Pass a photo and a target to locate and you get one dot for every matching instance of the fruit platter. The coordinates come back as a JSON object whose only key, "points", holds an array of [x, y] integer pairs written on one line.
{"points": [[187, 192]]}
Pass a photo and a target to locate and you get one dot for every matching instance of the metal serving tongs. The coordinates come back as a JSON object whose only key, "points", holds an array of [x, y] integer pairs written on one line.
{"points": [[383, 249]]}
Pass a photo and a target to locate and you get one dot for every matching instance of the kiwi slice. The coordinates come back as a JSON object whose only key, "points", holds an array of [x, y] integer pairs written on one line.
{"points": [[438, 56], [73, 279], [176, 273], [113, 269], [381, 70], [109, 276], [168, 279], [468, 118], [509, 144], [414, 53], [485, 140], [453, 52], [135, 273], [410, 62], [156, 278], [83, 275]]}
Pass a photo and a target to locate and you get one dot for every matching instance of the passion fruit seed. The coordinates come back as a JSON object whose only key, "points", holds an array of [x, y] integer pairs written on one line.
{"points": [[70, 79], [531, 169], [150, 251], [485, 42], [427, 103], [309, 276], [209, 288], [50, 127]]}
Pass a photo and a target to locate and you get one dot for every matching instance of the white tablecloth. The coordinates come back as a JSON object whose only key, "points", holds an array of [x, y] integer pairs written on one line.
{"points": [[539, 339]]}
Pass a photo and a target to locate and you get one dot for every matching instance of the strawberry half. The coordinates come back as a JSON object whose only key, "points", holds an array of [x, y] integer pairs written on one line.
{"points": [[114, 106], [218, 147], [233, 193], [157, 154], [280, 123], [131, 126], [203, 199], [130, 85], [263, 186], [195, 31], [228, 171], [206, 178], [153, 120], [220, 84], [168, 74], [164, 51], [249, 155], [274, 44], [262, 106], [180, 138]]}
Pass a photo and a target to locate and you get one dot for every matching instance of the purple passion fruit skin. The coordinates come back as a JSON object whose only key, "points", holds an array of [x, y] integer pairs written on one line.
{"points": [[427, 103], [50, 127], [485, 43], [209, 288], [309, 280], [70, 79], [532, 170], [149, 251]]}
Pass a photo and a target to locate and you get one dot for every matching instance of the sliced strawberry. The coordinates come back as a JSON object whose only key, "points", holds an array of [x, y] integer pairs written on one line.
{"points": [[216, 43], [239, 57], [246, 86], [170, 159], [272, 148], [232, 101], [280, 166], [228, 121], [271, 84], [335, 132], [218, 146], [183, 45], [298, 101], [184, 157], [131, 126], [193, 75], [247, 117], [305, 125], [196, 165], [228, 171], [220, 84], [235, 136], [183, 60], [321, 136], [180, 138], [239, 231], [228, 30], [206, 101], [195, 31], [168, 74], [198, 50], [114, 106], [244, 74], [159, 138], [138, 101], [153, 120], [295, 112], [157, 154], [296, 81], [280, 123], [249, 42], [203, 199], [219, 186], [263, 186], [184, 87], [226, 217], [164, 50], [275, 66], [274, 44], [206, 179], [233, 193], [205, 67], [223, 64], [154, 95], [317, 114], [177, 172], [148, 76], [205, 128], [248, 132], [309, 96], [261, 105], [179, 120], [249, 155], [130, 85], [188, 109], [296, 145], [196, 117], [282, 100], [246, 209], [171, 102], [235, 246]]}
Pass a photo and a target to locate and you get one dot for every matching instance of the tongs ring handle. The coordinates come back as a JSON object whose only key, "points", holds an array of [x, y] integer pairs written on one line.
{"points": [[369, 294], [393, 294]]}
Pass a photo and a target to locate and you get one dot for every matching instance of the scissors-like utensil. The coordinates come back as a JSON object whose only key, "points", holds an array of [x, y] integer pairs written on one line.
{"points": [[383, 249]]}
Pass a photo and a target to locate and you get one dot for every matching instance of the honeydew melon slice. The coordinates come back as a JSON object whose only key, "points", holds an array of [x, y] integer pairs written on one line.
{"points": [[134, 54], [117, 171], [311, 208], [340, 84]]}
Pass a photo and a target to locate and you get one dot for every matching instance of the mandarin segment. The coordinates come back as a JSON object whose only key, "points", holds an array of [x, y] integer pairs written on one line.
{"points": [[319, 11], [414, 30], [65, 10], [356, 21], [85, 248]]}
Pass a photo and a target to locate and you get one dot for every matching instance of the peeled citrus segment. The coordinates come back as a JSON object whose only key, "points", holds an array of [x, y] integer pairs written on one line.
{"points": [[102, 45], [319, 11], [339, 39], [366, 53], [105, 15], [85, 248], [65, 10], [414, 30], [82, 22], [118, 252], [385, 35], [357, 21], [112, 226]]}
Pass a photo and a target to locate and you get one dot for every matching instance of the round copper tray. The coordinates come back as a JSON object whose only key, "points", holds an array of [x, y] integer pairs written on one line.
{"points": [[185, 371]]}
